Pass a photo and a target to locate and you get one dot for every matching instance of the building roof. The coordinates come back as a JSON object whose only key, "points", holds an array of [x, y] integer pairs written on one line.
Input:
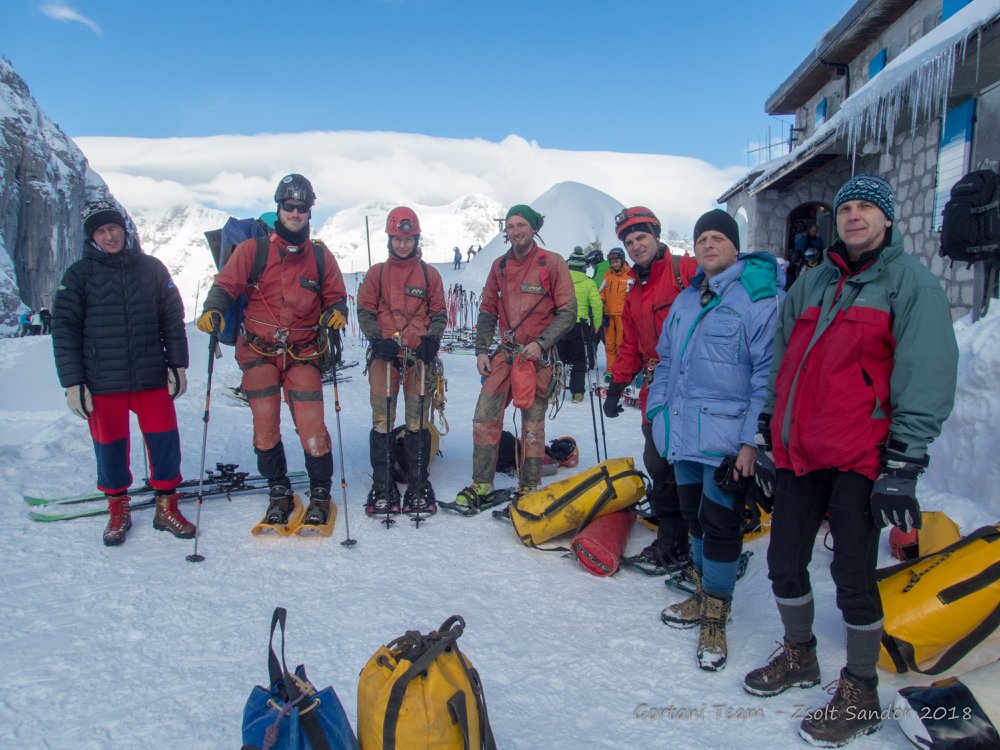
{"points": [[920, 80], [863, 23]]}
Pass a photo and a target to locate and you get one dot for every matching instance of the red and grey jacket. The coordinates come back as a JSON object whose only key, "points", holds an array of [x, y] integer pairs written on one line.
{"points": [[532, 296], [646, 307], [405, 296], [861, 361]]}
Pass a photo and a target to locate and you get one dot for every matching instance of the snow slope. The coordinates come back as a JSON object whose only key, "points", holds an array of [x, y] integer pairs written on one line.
{"points": [[128, 647]]}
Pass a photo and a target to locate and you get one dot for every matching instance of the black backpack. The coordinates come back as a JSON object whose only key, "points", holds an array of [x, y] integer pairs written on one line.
{"points": [[970, 230]]}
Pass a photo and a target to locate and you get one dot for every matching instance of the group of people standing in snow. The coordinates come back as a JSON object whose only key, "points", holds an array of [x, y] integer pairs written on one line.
{"points": [[823, 399], [35, 322]]}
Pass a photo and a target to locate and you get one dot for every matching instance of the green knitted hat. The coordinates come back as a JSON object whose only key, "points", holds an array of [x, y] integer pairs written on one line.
{"points": [[527, 213]]}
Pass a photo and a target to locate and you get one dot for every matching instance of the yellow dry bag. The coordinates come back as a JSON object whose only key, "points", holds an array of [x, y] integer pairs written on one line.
{"points": [[940, 606], [421, 693], [569, 505]]}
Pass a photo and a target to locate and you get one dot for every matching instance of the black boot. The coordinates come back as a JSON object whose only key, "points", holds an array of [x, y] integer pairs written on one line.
{"points": [[381, 501], [319, 507], [281, 502]]}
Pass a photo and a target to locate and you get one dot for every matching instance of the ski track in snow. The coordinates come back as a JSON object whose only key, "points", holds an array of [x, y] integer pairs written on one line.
{"points": [[130, 647]]}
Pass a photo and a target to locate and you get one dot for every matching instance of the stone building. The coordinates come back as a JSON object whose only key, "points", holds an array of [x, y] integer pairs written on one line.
{"points": [[909, 89]]}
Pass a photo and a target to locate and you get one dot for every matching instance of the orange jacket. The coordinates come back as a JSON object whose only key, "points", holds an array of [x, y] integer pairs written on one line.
{"points": [[289, 295], [614, 286], [397, 297]]}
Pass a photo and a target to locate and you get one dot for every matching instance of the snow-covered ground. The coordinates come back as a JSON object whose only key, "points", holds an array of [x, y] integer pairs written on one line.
{"points": [[134, 647]]}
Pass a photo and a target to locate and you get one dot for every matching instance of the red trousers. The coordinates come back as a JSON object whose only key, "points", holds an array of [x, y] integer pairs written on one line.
{"points": [[109, 429]]}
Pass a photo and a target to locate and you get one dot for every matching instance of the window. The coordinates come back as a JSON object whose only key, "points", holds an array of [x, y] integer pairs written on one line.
{"points": [[821, 112], [953, 154], [951, 7], [876, 64]]}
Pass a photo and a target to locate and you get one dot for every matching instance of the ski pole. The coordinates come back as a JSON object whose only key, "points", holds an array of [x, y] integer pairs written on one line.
{"points": [[422, 370], [586, 353], [388, 520], [213, 340], [348, 542], [600, 406]]}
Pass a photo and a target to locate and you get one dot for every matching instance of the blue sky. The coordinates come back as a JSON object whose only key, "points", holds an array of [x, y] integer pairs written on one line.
{"points": [[667, 77]]}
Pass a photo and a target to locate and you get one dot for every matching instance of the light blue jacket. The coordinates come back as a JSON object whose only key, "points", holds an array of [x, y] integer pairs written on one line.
{"points": [[710, 384]]}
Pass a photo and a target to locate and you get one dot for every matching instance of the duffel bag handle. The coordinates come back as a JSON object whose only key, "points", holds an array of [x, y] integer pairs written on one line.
{"points": [[276, 670]]}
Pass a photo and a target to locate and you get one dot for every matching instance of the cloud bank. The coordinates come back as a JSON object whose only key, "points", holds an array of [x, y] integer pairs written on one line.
{"points": [[238, 173]]}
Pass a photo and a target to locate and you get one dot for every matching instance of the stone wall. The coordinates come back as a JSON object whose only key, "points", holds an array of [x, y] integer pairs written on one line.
{"points": [[910, 167]]}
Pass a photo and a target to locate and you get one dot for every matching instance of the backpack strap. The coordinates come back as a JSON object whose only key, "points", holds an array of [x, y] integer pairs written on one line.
{"points": [[318, 247], [677, 270]]}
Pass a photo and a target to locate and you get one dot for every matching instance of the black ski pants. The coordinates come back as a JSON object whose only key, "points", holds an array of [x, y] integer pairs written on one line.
{"points": [[800, 504], [574, 351], [672, 532]]}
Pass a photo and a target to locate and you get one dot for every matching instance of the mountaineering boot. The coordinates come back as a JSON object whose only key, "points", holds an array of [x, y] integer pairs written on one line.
{"points": [[281, 503], [169, 518], [420, 501], [712, 651], [791, 665], [319, 507], [853, 711], [577, 398], [381, 502], [526, 489], [686, 614], [120, 520], [474, 495]]}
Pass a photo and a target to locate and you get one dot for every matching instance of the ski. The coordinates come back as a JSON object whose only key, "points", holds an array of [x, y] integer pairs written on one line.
{"points": [[223, 476], [497, 497], [149, 502], [683, 583], [283, 529]]}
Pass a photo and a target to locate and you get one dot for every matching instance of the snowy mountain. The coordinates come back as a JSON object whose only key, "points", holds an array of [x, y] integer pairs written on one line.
{"points": [[470, 220], [45, 180]]}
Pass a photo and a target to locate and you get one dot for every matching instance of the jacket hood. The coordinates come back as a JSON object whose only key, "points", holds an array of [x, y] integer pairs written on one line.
{"points": [[759, 273]]}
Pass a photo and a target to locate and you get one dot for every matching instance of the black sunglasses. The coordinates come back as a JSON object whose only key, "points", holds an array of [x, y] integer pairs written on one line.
{"points": [[291, 208]]}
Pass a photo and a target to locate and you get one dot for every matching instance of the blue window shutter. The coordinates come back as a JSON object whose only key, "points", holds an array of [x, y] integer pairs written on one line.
{"points": [[876, 65], [954, 150], [951, 7], [821, 112]]}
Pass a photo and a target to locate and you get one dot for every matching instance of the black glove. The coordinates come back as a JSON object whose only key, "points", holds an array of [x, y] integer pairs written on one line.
{"points": [[894, 496], [605, 321], [611, 406], [386, 349], [765, 471], [427, 349]]}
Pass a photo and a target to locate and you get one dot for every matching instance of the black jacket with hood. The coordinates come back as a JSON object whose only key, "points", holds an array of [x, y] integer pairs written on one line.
{"points": [[117, 322]]}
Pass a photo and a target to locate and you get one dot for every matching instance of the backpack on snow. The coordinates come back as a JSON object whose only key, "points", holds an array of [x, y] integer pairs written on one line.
{"points": [[970, 229], [224, 241], [420, 691], [290, 713]]}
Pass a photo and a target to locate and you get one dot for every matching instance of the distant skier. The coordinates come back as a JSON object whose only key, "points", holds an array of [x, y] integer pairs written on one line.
{"points": [[119, 342], [576, 348], [24, 320], [401, 311], [458, 259], [614, 286], [529, 293], [36, 323], [46, 321], [280, 346]]}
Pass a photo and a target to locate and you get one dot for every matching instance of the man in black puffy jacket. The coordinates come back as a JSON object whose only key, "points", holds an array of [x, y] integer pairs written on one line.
{"points": [[118, 336]]}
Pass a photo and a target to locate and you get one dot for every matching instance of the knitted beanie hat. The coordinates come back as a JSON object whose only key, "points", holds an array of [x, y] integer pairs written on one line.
{"points": [[871, 188], [96, 214]]}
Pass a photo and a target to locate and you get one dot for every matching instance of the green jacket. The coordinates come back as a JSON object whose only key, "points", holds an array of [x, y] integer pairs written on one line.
{"points": [[589, 305], [599, 270]]}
